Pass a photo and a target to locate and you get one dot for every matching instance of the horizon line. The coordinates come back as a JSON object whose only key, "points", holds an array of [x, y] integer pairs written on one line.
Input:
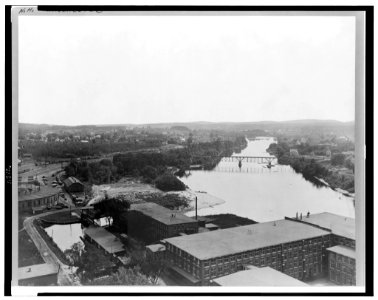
{"points": [[190, 122]]}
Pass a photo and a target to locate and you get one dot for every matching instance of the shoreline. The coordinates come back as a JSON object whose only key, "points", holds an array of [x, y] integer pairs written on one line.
{"points": [[132, 189], [337, 189], [204, 200]]}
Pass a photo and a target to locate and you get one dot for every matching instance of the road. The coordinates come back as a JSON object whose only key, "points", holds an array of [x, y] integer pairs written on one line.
{"points": [[42, 170], [65, 275]]}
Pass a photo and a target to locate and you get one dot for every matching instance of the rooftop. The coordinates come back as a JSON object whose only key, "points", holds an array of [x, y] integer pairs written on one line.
{"points": [[36, 271], [71, 180], [156, 247], [343, 250], [45, 191], [105, 239], [161, 214], [239, 239], [265, 276], [339, 225]]}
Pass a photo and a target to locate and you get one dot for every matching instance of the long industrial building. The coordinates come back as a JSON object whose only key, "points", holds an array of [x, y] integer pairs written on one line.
{"points": [[42, 197], [295, 247]]}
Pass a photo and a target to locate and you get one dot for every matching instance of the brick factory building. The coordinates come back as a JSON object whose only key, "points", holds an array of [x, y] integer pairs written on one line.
{"points": [[294, 247], [342, 265], [342, 228], [162, 222], [42, 197]]}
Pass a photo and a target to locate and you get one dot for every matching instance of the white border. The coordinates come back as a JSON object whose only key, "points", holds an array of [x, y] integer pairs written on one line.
{"points": [[33, 290]]}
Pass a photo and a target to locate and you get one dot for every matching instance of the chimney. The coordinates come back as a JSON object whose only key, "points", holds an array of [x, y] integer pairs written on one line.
{"points": [[196, 207]]}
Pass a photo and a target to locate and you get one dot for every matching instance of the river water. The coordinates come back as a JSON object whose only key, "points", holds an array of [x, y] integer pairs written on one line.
{"points": [[262, 194]]}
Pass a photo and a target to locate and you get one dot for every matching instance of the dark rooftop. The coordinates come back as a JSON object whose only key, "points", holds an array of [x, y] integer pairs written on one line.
{"points": [[71, 180], [161, 214]]}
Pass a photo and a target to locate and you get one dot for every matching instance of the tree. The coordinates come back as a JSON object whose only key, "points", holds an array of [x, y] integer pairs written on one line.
{"points": [[154, 268], [338, 159], [124, 276], [114, 208], [149, 173], [169, 182]]}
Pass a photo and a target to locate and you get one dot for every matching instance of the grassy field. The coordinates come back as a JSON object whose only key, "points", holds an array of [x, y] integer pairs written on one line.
{"points": [[28, 253]]}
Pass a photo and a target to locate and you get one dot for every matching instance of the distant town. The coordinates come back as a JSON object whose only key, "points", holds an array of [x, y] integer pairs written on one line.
{"points": [[187, 204]]}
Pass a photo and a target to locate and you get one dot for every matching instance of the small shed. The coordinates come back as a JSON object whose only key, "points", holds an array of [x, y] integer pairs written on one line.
{"points": [[73, 185], [211, 226], [155, 251]]}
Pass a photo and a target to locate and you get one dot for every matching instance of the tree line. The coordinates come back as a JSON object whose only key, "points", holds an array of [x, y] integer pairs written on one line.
{"points": [[153, 167], [311, 169]]}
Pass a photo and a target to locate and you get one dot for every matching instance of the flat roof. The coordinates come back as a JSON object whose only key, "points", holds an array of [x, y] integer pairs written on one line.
{"points": [[211, 225], [45, 191], [343, 250], [265, 276], [239, 239], [36, 271], [161, 214], [339, 225], [105, 239], [156, 247]]}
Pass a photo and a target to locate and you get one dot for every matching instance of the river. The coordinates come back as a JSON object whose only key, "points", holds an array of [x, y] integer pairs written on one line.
{"points": [[262, 194]]}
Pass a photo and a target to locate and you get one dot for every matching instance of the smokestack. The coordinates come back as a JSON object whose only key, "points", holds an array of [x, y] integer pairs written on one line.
{"points": [[196, 207]]}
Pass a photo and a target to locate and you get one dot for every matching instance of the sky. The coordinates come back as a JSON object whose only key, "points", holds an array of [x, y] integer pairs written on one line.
{"points": [[77, 70]]}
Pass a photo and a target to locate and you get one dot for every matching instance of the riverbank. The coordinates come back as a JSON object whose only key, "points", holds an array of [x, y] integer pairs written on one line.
{"points": [[344, 192], [317, 172], [204, 200], [136, 191]]}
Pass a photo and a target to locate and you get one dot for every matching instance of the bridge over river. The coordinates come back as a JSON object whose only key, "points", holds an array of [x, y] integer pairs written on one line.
{"points": [[267, 159]]}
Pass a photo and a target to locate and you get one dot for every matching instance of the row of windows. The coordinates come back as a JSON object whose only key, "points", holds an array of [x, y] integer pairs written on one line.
{"points": [[339, 240], [37, 202], [340, 278], [342, 259], [340, 267]]}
